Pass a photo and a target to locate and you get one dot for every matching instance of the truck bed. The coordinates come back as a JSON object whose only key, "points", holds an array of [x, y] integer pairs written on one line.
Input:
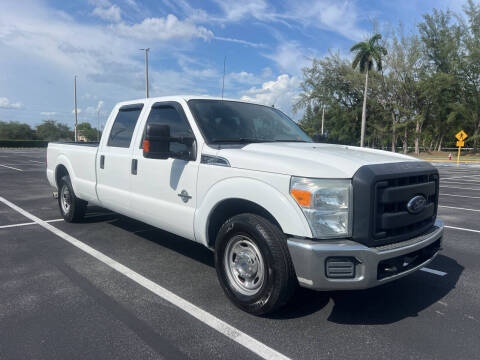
{"points": [[80, 160], [79, 143]]}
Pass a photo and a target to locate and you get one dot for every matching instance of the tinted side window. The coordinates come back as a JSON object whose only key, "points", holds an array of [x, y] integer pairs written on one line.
{"points": [[122, 129], [168, 115]]}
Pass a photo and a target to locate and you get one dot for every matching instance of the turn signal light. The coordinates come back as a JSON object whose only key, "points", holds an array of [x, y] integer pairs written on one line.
{"points": [[303, 198], [146, 146]]}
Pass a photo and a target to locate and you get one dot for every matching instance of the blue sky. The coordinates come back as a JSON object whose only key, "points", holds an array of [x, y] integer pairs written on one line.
{"points": [[43, 44]]}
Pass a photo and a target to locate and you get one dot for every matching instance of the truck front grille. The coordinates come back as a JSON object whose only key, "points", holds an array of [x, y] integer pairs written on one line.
{"points": [[393, 222], [381, 193]]}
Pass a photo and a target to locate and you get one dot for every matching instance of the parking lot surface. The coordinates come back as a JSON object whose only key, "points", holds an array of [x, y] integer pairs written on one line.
{"points": [[115, 288]]}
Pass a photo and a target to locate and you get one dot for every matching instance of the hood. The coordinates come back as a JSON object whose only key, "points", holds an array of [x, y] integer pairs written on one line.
{"points": [[306, 159]]}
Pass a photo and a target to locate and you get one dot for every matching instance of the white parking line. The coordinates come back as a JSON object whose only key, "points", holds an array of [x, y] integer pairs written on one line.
{"points": [[465, 196], [458, 188], [460, 177], [457, 208], [432, 271], [221, 326], [460, 181], [29, 223], [463, 229], [11, 167]]}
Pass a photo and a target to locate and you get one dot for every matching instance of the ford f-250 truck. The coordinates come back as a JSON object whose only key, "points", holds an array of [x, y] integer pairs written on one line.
{"points": [[244, 180]]}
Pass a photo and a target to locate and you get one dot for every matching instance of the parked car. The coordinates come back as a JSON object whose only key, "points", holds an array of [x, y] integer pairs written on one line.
{"points": [[245, 181]]}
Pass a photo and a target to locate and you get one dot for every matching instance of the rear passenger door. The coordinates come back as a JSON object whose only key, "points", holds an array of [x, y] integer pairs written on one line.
{"points": [[164, 190], [114, 159]]}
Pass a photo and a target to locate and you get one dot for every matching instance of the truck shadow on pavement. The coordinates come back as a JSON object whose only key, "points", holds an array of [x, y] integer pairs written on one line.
{"points": [[385, 304]]}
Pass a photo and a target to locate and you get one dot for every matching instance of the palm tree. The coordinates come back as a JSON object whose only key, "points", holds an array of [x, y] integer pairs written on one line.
{"points": [[366, 53]]}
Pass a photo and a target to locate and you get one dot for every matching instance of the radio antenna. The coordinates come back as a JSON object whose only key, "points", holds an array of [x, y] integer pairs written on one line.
{"points": [[223, 81]]}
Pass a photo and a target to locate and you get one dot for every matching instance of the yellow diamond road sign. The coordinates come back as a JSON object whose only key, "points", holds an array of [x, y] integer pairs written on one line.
{"points": [[460, 143], [462, 135]]}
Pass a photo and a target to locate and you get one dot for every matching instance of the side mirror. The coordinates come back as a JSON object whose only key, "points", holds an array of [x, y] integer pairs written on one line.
{"points": [[156, 144]]}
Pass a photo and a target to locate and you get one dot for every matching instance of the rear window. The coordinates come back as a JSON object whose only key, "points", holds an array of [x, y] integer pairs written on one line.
{"points": [[124, 125]]}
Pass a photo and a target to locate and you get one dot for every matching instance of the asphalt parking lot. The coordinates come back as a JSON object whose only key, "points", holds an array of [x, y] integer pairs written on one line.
{"points": [[115, 288]]}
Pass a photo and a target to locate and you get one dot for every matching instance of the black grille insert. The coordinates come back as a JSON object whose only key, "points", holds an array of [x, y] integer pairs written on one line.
{"points": [[381, 193], [392, 219]]}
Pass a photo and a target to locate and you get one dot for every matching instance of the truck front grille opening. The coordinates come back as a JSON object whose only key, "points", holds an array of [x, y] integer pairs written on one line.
{"points": [[392, 221], [400, 264]]}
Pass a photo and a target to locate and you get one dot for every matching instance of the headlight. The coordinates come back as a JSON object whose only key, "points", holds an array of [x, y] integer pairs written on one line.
{"points": [[326, 204]]}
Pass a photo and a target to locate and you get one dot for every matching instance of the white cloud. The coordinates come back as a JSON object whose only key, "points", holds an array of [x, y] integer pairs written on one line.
{"points": [[48, 113], [166, 28], [341, 17], [242, 77], [94, 110], [235, 10], [112, 13], [99, 54], [282, 92], [7, 104], [290, 57]]}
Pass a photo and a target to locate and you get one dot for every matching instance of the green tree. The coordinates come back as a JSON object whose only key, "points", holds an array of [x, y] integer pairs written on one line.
{"points": [[86, 130], [16, 131], [440, 82], [366, 53], [469, 108], [50, 130]]}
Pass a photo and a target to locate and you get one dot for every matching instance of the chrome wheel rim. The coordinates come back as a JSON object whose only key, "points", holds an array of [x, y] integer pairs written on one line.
{"points": [[65, 199], [244, 265]]}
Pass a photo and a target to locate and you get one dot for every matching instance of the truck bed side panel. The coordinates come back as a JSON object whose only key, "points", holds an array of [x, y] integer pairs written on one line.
{"points": [[80, 162]]}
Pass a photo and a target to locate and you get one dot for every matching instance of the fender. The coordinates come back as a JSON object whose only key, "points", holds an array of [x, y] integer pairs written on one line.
{"points": [[62, 159], [284, 209]]}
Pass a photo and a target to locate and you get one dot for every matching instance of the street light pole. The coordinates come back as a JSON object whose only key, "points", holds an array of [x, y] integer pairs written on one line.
{"points": [[146, 71], [323, 116], [98, 125], [75, 103]]}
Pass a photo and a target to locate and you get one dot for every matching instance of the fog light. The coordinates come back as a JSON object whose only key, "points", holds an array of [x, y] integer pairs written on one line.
{"points": [[340, 267]]}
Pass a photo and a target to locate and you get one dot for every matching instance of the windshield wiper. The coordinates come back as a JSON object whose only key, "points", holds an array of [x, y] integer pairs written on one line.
{"points": [[241, 140]]}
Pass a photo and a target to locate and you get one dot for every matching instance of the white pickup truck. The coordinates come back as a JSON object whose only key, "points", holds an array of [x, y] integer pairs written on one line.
{"points": [[244, 180]]}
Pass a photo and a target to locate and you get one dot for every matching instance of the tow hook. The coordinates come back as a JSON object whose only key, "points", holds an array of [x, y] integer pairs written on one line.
{"points": [[55, 194]]}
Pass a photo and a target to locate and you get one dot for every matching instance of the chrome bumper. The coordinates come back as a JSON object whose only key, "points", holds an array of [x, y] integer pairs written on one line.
{"points": [[309, 259]]}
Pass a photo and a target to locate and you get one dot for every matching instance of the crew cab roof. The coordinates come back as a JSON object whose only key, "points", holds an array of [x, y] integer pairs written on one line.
{"points": [[177, 98]]}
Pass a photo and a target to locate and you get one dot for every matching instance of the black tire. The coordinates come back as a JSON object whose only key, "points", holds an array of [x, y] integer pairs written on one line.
{"points": [[279, 280], [77, 207]]}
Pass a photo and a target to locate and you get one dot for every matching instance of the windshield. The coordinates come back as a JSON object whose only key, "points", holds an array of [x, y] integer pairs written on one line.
{"points": [[232, 121]]}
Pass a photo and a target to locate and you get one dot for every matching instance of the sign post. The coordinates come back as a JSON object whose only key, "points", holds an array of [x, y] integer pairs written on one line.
{"points": [[461, 136]]}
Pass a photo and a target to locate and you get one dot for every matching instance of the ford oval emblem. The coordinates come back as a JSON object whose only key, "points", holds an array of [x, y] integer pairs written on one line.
{"points": [[416, 204]]}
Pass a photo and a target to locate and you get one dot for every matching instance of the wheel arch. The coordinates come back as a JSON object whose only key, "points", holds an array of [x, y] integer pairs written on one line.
{"points": [[245, 195]]}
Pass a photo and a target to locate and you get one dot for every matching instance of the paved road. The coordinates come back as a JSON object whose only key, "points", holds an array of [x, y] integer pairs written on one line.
{"points": [[58, 301]]}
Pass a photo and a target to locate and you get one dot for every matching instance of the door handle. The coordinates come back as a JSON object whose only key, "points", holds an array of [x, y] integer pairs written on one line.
{"points": [[134, 166], [102, 161]]}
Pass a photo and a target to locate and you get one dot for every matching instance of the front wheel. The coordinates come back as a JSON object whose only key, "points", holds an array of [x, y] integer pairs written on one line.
{"points": [[253, 264], [72, 208]]}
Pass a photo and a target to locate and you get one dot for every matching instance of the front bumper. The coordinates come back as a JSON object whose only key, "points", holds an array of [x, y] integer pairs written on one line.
{"points": [[309, 259]]}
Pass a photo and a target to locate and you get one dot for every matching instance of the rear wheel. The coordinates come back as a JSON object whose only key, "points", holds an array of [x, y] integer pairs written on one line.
{"points": [[253, 264], [72, 208]]}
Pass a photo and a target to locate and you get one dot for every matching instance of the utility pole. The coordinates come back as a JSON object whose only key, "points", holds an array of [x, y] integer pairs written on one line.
{"points": [[323, 116], [75, 102], [146, 71], [98, 125]]}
